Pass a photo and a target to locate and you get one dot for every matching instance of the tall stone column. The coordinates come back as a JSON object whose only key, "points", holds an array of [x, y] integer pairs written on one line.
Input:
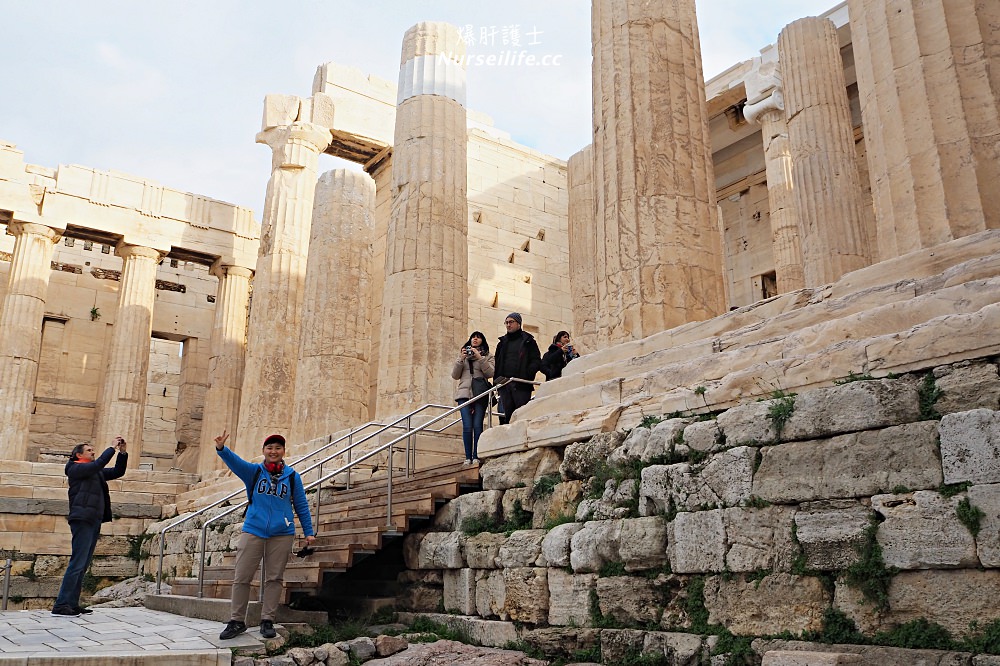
{"points": [[659, 257], [425, 297], [583, 281], [766, 105], [21, 332], [225, 362], [123, 393], [932, 117], [275, 313], [826, 185], [332, 382]]}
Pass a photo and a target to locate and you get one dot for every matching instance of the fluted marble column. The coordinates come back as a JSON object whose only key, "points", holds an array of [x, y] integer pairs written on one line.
{"points": [[826, 185], [225, 362], [120, 411], [583, 281], [659, 257], [21, 332], [332, 382], [931, 116], [425, 297], [273, 334], [766, 105]]}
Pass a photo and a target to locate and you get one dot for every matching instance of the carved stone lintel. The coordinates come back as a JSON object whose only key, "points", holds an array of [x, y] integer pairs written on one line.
{"points": [[764, 90]]}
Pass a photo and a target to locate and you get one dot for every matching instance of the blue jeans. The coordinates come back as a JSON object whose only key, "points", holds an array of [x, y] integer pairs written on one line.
{"points": [[84, 542], [472, 425]]}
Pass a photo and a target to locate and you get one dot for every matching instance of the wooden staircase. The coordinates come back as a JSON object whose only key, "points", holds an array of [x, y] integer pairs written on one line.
{"points": [[352, 525]]}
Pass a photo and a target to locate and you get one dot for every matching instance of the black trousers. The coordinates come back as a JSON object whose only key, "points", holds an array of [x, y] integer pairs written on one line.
{"points": [[512, 396]]}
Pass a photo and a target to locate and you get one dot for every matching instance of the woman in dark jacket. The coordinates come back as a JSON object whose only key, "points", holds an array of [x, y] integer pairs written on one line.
{"points": [[559, 354], [89, 506]]}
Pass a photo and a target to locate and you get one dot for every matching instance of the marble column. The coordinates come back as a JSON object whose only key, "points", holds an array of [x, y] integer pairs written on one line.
{"points": [[21, 332], [225, 361], [766, 105], [825, 181], [931, 117], [332, 381], [123, 392], [583, 281], [425, 297], [275, 313], [659, 256]]}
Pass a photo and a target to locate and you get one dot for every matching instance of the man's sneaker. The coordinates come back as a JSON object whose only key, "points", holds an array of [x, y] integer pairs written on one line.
{"points": [[267, 629], [232, 630], [82, 611], [67, 611]]}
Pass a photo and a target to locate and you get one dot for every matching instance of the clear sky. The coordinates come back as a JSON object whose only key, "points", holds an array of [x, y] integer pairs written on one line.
{"points": [[172, 90]]}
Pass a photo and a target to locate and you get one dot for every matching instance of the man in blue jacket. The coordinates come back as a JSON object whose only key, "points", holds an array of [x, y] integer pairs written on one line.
{"points": [[274, 490], [89, 506]]}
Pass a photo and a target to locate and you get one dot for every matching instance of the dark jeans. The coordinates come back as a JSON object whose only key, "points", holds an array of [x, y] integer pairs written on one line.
{"points": [[472, 425], [512, 396], [84, 542]]}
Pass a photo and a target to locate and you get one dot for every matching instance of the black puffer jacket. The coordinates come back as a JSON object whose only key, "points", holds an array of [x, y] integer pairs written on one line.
{"points": [[517, 356], [89, 498]]}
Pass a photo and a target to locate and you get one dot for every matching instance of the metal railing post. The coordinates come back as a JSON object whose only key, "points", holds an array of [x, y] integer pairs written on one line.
{"points": [[6, 582]]}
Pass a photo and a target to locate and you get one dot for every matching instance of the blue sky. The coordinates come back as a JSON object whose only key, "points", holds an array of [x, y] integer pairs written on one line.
{"points": [[172, 90]]}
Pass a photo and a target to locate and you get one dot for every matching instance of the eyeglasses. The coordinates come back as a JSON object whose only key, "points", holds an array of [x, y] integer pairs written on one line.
{"points": [[509, 322]]}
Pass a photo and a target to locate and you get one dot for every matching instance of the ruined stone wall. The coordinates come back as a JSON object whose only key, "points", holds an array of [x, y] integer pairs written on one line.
{"points": [[873, 501]]}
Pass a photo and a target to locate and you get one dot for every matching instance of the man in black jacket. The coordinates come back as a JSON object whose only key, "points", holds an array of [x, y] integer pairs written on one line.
{"points": [[89, 506], [517, 356]]}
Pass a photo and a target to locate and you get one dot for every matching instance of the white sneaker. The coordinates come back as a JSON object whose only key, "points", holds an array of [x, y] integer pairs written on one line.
{"points": [[467, 462]]}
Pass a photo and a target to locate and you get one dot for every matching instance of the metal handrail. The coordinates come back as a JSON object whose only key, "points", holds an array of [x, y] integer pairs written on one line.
{"points": [[349, 436]]}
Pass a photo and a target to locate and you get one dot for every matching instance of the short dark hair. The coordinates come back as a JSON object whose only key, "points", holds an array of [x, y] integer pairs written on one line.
{"points": [[482, 337], [77, 450], [555, 338]]}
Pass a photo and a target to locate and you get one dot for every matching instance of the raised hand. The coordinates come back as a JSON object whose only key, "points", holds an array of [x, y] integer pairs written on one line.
{"points": [[220, 441]]}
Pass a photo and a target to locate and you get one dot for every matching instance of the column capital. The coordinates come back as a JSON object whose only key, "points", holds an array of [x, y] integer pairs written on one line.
{"points": [[221, 270], [296, 144], [125, 250], [764, 90], [17, 228]]}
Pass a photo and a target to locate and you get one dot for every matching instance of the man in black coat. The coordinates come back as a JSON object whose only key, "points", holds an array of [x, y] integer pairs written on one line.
{"points": [[89, 506], [517, 356]]}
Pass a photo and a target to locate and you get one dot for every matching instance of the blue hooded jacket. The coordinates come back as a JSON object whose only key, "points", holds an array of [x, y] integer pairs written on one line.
{"points": [[270, 512]]}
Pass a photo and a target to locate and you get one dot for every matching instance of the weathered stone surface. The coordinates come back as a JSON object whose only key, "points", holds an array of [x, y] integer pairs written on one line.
{"points": [[967, 385], [441, 550], [597, 543], [460, 591], [970, 446], [696, 542], [724, 480], [556, 544], [114, 567], [862, 405], [646, 444], [922, 531], [519, 467], [643, 543], [870, 655], [361, 648], [411, 549], [526, 596], [485, 632], [421, 591], [386, 646], [759, 539], [830, 533], [748, 424], [792, 658], [556, 642], [779, 602], [705, 436], [614, 503], [568, 427], [130, 592], [952, 599], [48, 565], [629, 600], [569, 597], [563, 501], [680, 649], [854, 465], [514, 498], [471, 505], [522, 548], [481, 550], [580, 460], [504, 439], [452, 653], [490, 594], [987, 499]]}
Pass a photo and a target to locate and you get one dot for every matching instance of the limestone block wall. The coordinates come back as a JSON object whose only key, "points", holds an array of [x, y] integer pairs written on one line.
{"points": [[35, 535], [857, 501]]}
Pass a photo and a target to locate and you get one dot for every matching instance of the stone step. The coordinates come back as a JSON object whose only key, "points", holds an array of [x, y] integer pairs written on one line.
{"points": [[790, 658], [219, 609]]}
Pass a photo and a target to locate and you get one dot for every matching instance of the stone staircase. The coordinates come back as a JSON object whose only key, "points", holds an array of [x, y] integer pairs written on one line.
{"points": [[352, 526]]}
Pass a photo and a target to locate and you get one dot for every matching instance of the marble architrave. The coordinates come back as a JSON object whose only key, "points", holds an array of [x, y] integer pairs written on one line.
{"points": [[826, 184], [659, 257], [425, 296]]}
